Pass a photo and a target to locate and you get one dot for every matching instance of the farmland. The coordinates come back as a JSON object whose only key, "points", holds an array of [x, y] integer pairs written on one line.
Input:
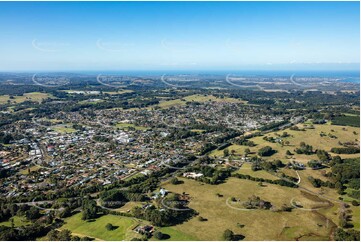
{"points": [[258, 225]]}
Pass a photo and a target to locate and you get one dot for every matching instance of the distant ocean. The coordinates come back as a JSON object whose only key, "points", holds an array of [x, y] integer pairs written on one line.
{"points": [[346, 76]]}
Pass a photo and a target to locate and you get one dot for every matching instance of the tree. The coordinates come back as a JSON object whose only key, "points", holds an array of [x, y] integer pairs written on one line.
{"points": [[109, 226], [226, 152], [64, 235], [89, 209], [66, 212], [323, 155], [228, 235], [355, 203], [53, 235], [247, 151], [347, 235], [266, 151], [33, 213], [174, 181], [158, 235]]}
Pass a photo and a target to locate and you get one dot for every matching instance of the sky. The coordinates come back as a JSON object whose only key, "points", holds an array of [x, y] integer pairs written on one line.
{"points": [[68, 36]]}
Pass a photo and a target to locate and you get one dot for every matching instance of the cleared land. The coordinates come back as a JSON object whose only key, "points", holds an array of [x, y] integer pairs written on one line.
{"points": [[176, 235], [258, 224], [33, 168], [197, 98], [127, 126], [246, 170], [63, 128], [32, 96], [300, 224], [124, 228], [309, 136], [96, 228]]}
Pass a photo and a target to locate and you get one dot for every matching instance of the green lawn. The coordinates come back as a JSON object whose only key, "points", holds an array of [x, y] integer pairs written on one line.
{"points": [[96, 229], [18, 221], [175, 234]]}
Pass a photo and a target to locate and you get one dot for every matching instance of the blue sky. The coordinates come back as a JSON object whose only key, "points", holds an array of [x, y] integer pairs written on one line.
{"points": [[179, 35]]}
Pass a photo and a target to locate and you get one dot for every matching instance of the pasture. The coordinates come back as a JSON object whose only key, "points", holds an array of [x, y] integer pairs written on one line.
{"points": [[96, 228], [32, 96], [258, 224]]}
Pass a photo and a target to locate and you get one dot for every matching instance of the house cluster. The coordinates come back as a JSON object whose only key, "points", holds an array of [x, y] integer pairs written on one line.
{"points": [[100, 147], [296, 165], [145, 229], [192, 175]]}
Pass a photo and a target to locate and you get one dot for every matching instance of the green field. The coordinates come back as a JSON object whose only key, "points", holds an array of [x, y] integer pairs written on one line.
{"points": [[350, 120], [96, 229], [32, 96], [18, 221]]}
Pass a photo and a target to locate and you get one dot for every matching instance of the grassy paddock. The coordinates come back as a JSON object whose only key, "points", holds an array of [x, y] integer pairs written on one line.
{"points": [[197, 98], [310, 136], [175, 235], [32, 96], [259, 224], [18, 221], [96, 228]]}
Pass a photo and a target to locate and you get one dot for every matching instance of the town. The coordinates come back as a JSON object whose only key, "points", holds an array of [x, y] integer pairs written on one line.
{"points": [[122, 152]]}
